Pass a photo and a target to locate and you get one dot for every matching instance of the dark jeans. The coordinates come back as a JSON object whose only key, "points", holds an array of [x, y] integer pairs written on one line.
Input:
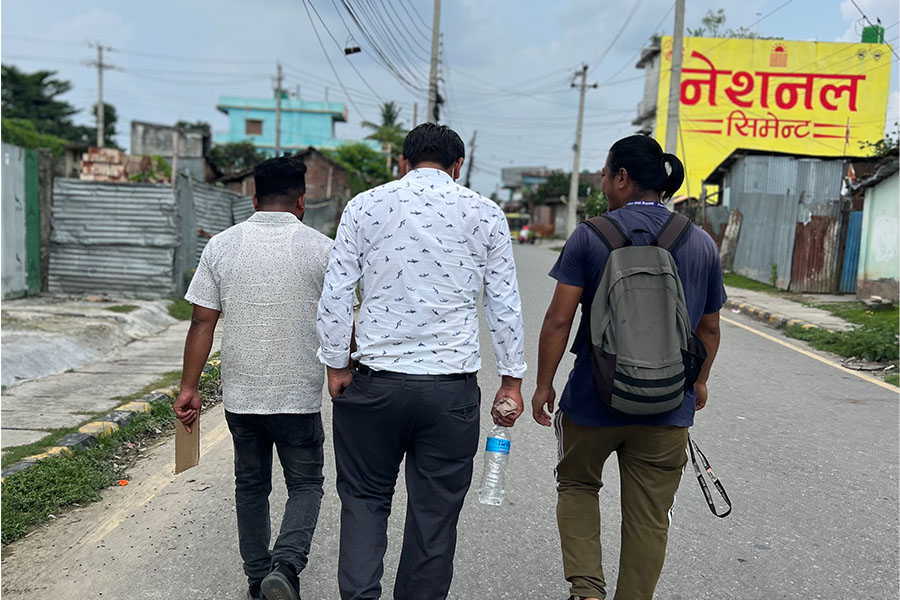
{"points": [[376, 422], [299, 440]]}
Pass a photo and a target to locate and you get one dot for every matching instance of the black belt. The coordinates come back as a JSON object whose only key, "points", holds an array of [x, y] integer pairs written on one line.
{"points": [[365, 370]]}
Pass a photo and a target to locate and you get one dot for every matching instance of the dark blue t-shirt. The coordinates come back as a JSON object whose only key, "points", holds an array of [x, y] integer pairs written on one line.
{"points": [[581, 264]]}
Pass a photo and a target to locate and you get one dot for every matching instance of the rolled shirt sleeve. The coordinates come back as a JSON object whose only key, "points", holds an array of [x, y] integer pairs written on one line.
{"points": [[503, 306], [334, 320]]}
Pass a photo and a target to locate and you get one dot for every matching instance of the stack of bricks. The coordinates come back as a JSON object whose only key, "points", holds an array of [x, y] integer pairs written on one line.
{"points": [[110, 164]]}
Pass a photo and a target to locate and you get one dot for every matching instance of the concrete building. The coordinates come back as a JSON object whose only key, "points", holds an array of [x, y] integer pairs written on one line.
{"points": [[303, 123], [646, 108], [878, 274], [154, 139]]}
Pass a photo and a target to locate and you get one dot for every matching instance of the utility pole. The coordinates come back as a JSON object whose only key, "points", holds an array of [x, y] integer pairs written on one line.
{"points": [[278, 79], [431, 115], [572, 207], [415, 114], [471, 159], [101, 117], [675, 81], [176, 137]]}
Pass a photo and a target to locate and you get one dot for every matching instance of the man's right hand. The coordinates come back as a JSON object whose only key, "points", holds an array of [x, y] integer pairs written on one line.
{"points": [[338, 381], [543, 396], [187, 406]]}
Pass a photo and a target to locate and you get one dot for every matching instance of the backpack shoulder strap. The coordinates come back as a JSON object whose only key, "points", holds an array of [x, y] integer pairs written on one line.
{"points": [[608, 231], [673, 232]]}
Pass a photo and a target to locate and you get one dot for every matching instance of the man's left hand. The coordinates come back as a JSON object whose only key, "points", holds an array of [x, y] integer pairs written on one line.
{"points": [[514, 393], [338, 381]]}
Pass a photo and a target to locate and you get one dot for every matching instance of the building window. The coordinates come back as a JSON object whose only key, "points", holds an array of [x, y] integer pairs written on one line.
{"points": [[253, 127]]}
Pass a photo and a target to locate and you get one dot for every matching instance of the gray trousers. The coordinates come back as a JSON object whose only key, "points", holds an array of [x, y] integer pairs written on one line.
{"points": [[378, 420], [299, 439]]}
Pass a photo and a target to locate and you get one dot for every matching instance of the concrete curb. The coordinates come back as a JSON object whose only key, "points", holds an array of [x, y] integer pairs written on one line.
{"points": [[90, 433], [761, 314]]}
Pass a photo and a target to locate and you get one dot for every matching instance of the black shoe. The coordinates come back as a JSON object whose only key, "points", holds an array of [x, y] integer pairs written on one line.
{"points": [[282, 583], [254, 592]]}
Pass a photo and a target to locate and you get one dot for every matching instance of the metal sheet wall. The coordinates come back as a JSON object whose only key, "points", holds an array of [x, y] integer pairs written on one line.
{"points": [[113, 238], [781, 198], [216, 210], [13, 220], [851, 253]]}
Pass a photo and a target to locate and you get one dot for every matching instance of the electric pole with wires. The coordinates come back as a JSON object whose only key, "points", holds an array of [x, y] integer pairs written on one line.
{"points": [[278, 79], [572, 206], [432, 114], [471, 161], [101, 66]]}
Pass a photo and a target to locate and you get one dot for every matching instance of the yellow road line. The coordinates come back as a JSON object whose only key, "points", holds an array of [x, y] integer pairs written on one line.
{"points": [[821, 359], [159, 482]]}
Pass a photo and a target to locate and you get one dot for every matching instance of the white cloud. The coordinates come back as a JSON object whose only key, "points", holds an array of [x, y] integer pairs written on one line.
{"points": [[886, 10]]}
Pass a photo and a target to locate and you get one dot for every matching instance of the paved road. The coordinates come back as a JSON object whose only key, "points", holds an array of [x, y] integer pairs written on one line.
{"points": [[808, 453]]}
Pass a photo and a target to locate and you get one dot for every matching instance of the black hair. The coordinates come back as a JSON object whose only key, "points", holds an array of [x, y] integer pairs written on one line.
{"points": [[433, 143], [280, 180], [646, 163]]}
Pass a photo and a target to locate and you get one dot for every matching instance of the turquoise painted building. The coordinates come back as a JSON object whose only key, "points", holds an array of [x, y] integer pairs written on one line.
{"points": [[303, 123]]}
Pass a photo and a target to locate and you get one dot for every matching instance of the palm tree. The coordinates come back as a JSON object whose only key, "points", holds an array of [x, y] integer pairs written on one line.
{"points": [[390, 132]]}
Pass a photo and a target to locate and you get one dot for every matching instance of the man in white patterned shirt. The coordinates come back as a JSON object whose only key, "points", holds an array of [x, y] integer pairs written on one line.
{"points": [[264, 277], [421, 249]]}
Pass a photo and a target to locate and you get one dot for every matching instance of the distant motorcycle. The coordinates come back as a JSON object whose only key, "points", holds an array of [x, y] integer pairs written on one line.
{"points": [[526, 235]]}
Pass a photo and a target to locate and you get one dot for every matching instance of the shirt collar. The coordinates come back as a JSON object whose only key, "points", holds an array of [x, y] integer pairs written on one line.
{"points": [[269, 216], [429, 173]]}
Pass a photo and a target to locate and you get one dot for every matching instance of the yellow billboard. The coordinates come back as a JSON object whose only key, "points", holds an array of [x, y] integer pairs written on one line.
{"points": [[813, 98]]}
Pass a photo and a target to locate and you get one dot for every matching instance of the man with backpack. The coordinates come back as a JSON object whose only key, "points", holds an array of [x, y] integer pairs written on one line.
{"points": [[650, 286]]}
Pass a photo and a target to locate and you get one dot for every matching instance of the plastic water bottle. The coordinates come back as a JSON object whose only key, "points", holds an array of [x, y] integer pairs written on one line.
{"points": [[496, 455]]}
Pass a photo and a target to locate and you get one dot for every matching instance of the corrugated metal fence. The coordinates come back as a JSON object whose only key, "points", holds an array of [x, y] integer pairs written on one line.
{"points": [[132, 239], [791, 230], [21, 217], [217, 209]]}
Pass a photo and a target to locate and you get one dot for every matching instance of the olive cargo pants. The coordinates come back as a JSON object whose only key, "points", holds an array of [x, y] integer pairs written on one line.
{"points": [[651, 461]]}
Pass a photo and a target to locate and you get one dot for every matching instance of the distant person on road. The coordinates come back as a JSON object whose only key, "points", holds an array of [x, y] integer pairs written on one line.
{"points": [[422, 249], [651, 449], [264, 276]]}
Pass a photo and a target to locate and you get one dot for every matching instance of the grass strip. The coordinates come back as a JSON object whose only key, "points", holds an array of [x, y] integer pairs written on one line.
{"points": [[122, 308], [181, 309], [32, 496], [739, 281], [17, 453]]}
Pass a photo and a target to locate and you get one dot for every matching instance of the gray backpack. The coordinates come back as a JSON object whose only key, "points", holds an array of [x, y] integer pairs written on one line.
{"points": [[644, 355]]}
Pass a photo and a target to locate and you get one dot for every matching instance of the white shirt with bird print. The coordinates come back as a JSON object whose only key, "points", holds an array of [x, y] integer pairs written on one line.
{"points": [[422, 249]]}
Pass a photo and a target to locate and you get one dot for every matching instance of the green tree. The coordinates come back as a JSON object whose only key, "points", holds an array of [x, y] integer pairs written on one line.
{"points": [[203, 126], [22, 132], [390, 132], [35, 97], [88, 135], [886, 145], [557, 185], [595, 205], [365, 167], [713, 25], [234, 157]]}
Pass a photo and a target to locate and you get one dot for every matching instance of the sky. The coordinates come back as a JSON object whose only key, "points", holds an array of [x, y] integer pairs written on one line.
{"points": [[507, 65]]}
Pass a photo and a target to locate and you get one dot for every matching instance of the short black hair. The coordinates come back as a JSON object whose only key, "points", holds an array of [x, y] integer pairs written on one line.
{"points": [[280, 180], [645, 162], [433, 143]]}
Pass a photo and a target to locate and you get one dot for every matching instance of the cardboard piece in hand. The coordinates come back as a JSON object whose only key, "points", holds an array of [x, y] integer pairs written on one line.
{"points": [[187, 446]]}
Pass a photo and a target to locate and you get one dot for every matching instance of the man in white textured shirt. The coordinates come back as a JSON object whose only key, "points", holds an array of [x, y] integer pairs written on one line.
{"points": [[422, 249], [264, 277]]}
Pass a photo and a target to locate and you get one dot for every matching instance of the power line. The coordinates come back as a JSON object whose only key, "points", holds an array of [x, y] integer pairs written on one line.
{"points": [[615, 39], [871, 24], [328, 59], [363, 79]]}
